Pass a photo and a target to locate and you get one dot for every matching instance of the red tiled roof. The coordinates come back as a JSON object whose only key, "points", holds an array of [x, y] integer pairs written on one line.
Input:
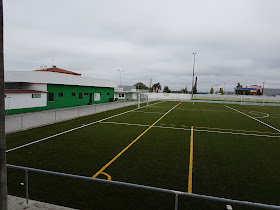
{"points": [[58, 70], [23, 91]]}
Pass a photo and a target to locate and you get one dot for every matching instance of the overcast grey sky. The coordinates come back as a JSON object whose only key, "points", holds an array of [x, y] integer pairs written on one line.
{"points": [[235, 40]]}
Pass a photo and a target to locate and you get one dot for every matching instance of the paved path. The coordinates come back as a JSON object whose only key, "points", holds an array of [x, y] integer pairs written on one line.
{"points": [[16, 203]]}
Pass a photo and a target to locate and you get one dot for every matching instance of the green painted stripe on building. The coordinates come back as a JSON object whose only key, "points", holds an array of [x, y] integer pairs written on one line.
{"points": [[68, 96]]}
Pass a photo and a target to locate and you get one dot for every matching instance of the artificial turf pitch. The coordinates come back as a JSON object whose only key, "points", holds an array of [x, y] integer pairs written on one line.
{"points": [[234, 156]]}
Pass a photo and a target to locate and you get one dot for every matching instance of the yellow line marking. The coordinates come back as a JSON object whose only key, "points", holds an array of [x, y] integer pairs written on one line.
{"points": [[173, 125], [108, 176], [128, 146], [259, 114], [162, 124], [184, 126], [191, 163], [245, 131]]}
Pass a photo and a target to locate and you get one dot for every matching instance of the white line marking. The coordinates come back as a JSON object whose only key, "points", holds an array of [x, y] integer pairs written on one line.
{"points": [[155, 126], [120, 123], [229, 207], [150, 112], [73, 129], [256, 112], [244, 134], [185, 129], [254, 118]]}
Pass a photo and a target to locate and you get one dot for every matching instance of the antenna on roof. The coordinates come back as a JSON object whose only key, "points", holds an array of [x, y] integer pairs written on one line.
{"points": [[53, 66]]}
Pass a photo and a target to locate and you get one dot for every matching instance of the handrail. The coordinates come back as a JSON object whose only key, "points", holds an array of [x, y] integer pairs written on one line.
{"points": [[174, 192]]}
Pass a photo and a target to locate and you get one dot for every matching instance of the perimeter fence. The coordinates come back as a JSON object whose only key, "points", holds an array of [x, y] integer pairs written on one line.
{"points": [[19, 122]]}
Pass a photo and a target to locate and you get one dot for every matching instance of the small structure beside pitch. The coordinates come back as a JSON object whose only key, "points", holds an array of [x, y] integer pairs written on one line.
{"points": [[53, 88]]}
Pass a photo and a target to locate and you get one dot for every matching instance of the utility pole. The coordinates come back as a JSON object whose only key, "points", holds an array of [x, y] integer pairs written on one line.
{"points": [[120, 77], [3, 167], [193, 72], [263, 87]]}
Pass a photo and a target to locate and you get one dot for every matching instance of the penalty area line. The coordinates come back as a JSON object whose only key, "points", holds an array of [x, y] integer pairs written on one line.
{"points": [[254, 119]]}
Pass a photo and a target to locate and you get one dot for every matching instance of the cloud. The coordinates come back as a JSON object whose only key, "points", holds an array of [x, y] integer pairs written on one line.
{"points": [[235, 41]]}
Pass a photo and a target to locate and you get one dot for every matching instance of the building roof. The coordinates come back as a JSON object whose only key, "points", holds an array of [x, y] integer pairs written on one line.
{"points": [[240, 88], [22, 91], [58, 70], [46, 77]]}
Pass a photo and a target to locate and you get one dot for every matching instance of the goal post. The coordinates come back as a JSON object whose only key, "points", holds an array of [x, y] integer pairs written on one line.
{"points": [[142, 98]]}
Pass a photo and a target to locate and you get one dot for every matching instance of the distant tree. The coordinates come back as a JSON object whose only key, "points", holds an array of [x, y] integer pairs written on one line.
{"points": [[156, 86], [166, 89], [239, 92], [194, 89], [140, 85], [221, 91], [211, 90], [184, 90], [239, 85], [247, 92], [259, 92]]}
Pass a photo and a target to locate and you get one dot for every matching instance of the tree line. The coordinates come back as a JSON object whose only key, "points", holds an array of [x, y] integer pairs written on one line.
{"points": [[237, 92], [157, 86]]}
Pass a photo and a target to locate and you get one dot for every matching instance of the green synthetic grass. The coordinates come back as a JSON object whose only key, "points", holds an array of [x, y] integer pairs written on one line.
{"points": [[225, 165]]}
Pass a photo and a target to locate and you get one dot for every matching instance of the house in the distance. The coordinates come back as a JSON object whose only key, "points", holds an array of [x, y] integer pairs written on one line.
{"points": [[53, 88], [128, 92]]}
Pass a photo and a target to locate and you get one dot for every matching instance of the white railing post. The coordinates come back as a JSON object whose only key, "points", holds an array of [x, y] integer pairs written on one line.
{"points": [[139, 100], [21, 121]]}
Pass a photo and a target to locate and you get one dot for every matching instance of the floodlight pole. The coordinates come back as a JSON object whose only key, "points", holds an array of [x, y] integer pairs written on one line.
{"points": [[193, 72], [3, 168], [120, 77]]}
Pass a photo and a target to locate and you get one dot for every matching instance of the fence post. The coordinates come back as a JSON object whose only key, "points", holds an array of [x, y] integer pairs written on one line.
{"points": [[139, 100], [26, 185], [176, 201], [21, 121]]}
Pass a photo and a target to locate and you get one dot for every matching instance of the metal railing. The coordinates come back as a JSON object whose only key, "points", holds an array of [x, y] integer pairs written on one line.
{"points": [[174, 192]]}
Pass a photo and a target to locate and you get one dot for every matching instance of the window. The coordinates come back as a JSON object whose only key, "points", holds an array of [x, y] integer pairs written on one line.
{"points": [[60, 94], [108, 94], [51, 97], [36, 95], [73, 94], [80, 96], [86, 94], [122, 95]]}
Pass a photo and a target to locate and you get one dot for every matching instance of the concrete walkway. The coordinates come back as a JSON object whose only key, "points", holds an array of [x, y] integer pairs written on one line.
{"points": [[15, 203]]}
